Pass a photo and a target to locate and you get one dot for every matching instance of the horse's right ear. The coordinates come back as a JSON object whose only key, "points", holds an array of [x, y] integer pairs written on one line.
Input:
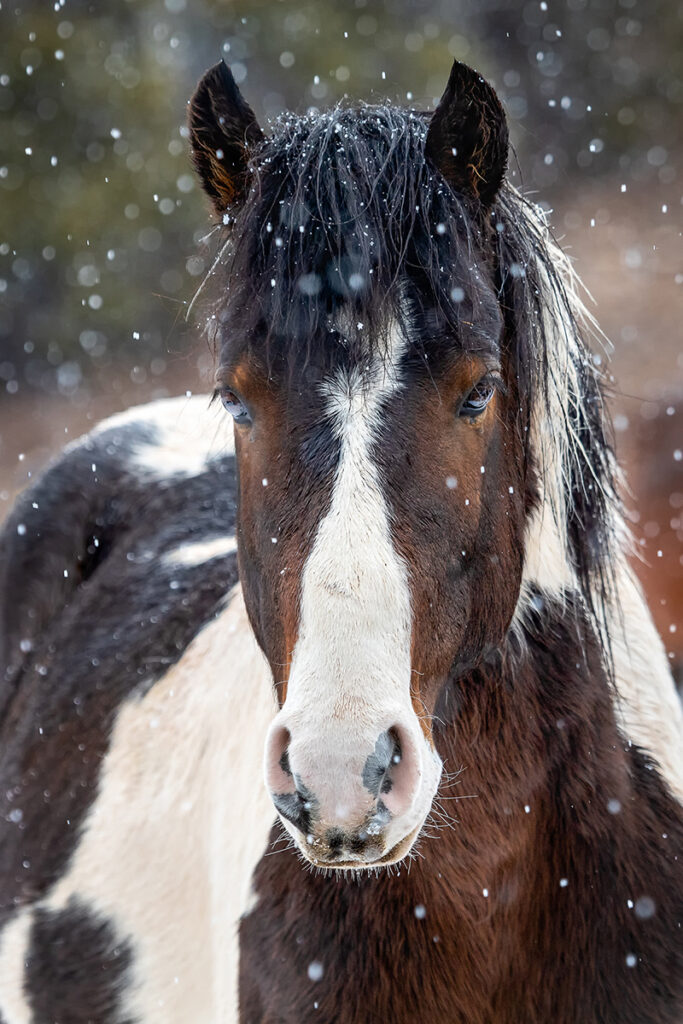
{"points": [[223, 128]]}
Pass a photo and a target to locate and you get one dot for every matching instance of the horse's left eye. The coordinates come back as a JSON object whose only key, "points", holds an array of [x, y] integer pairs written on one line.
{"points": [[477, 400], [234, 405]]}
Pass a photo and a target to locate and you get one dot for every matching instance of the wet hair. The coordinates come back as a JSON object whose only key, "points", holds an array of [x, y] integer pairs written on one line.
{"points": [[348, 228]]}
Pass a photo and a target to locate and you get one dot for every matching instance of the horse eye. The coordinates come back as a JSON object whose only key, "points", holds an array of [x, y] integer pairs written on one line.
{"points": [[477, 400], [235, 406]]}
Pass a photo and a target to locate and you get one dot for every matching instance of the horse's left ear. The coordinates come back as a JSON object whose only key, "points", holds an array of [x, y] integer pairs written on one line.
{"points": [[223, 128], [468, 135]]}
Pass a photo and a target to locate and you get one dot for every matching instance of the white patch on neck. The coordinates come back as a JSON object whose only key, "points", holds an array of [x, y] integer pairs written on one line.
{"points": [[190, 434], [180, 820], [198, 552], [648, 709], [548, 563], [14, 953]]}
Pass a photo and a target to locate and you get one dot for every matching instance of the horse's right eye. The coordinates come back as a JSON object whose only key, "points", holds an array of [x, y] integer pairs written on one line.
{"points": [[235, 406]]}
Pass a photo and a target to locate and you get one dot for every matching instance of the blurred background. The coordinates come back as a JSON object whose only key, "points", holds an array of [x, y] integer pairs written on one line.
{"points": [[104, 236]]}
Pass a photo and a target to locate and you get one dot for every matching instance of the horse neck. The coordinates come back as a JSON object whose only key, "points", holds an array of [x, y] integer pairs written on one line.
{"points": [[527, 740]]}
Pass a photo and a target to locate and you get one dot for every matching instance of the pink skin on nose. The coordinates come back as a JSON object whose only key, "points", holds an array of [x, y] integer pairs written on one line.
{"points": [[357, 790]]}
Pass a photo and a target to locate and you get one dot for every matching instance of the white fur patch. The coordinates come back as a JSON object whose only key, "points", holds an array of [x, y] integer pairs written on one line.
{"points": [[198, 552], [190, 433], [180, 821], [14, 939], [649, 710], [355, 621], [355, 618], [548, 563]]}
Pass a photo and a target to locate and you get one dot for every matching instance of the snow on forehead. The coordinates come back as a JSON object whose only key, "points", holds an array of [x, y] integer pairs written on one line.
{"points": [[343, 213], [348, 122]]}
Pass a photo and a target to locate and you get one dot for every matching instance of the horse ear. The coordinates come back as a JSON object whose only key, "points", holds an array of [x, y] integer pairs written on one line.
{"points": [[468, 135], [223, 128]]}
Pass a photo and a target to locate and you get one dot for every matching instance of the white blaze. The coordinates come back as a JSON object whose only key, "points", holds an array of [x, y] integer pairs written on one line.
{"points": [[350, 673], [353, 646]]}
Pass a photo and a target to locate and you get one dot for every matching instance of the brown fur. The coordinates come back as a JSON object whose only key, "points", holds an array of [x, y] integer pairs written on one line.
{"points": [[221, 125], [271, 451], [455, 598], [542, 736]]}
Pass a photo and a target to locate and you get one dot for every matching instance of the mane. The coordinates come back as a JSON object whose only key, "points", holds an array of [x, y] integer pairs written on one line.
{"points": [[570, 429], [347, 221]]}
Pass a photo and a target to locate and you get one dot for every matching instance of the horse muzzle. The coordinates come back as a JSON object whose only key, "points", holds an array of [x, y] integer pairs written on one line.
{"points": [[352, 795]]}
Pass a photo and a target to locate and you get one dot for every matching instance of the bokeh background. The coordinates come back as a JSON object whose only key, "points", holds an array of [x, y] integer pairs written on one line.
{"points": [[104, 236]]}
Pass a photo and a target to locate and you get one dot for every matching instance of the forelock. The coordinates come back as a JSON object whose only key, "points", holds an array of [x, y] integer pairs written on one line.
{"points": [[345, 227]]}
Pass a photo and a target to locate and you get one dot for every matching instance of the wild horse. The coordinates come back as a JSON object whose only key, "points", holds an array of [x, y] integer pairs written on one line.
{"points": [[471, 736]]}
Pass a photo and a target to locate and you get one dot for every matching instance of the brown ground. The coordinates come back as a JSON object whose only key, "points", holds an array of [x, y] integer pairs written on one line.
{"points": [[629, 260]]}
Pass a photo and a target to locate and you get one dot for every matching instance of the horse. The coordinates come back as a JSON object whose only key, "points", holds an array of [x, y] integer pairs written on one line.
{"points": [[386, 571]]}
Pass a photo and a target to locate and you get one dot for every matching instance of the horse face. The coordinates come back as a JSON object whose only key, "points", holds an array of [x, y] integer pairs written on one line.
{"points": [[380, 496]]}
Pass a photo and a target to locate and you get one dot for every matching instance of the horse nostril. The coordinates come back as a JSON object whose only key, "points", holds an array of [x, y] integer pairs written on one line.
{"points": [[291, 797], [278, 770], [284, 762], [378, 766], [396, 757], [295, 807], [401, 774]]}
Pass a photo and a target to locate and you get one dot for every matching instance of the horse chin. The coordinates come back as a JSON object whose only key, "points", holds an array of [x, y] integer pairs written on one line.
{"points": [[398, 852]]}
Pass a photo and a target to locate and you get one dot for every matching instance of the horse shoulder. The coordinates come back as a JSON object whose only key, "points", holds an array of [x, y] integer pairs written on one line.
{"points": [[62, 526]]}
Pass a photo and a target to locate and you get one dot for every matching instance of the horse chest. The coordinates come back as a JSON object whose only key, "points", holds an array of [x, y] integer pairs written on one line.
{"points": [[381, 949], [413, 947]]}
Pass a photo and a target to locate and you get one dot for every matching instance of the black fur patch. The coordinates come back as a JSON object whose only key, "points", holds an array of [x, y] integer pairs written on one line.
{"points": [[92, 613], [299, 807], [76, 968]]}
